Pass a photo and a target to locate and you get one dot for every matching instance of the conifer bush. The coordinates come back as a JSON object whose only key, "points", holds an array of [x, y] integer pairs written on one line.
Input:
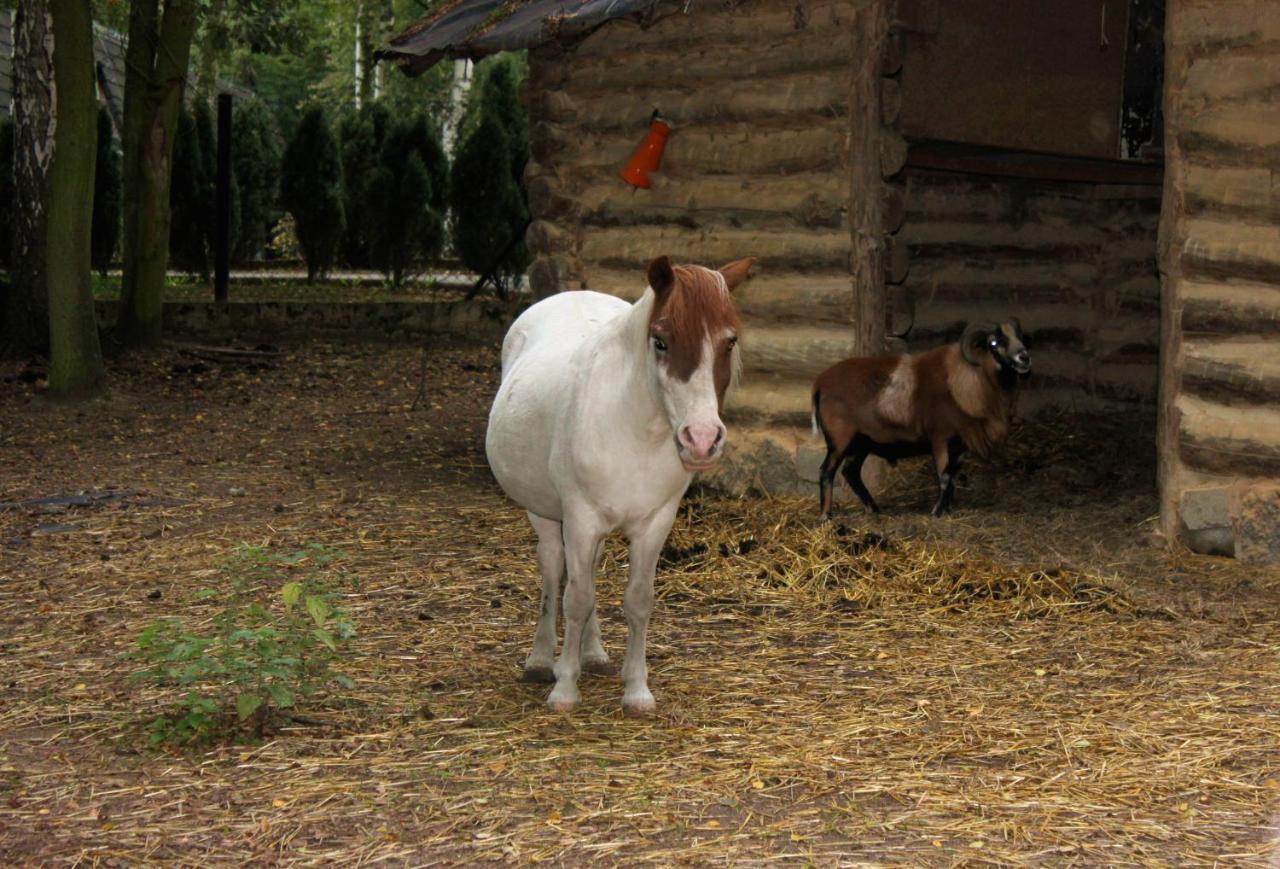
{"points": [[486, 188], [403, 225], [255, 159], [8, 192], [108, 192], [311, 190]]}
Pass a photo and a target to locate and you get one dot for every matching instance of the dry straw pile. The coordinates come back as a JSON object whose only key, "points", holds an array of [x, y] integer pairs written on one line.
{"points": [[856, 693]]}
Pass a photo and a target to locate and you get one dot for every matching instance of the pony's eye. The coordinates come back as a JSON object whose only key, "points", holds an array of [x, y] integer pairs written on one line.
{"points": [[659, 344], [731, 343]]}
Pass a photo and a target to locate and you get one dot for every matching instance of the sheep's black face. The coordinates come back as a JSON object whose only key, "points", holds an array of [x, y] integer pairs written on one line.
{"points": [[1008, 345]]}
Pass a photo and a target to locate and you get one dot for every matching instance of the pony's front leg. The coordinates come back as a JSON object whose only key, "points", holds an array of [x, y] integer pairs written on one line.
{"points": [[581, 542], [637, 606]]}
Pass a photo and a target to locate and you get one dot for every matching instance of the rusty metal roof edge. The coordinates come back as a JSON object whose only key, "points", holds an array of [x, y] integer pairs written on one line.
{"points": [[502, 26]]}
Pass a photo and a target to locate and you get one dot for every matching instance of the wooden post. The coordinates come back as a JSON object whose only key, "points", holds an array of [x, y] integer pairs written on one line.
{"points": [[866, 180], [222, 204]]}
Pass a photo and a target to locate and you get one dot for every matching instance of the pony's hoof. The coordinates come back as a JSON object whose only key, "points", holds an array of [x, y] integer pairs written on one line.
{"points": [[639, 706], [562, 701], [599, 667], [541, 675], [824, 517]]}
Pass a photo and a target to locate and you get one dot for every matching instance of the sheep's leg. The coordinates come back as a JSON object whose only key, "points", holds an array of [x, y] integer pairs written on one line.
{"points": [[826, 479], [852, 471], [946, 457]]}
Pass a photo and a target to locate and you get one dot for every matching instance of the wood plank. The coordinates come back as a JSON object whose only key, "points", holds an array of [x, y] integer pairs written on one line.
{"points": [[718, 26], [1229, 441], [1230, 310], [1229, 372], [1223, 249], [770, 296], [632, 248], [804, 94], [797, 352], [712, 148], [806, 199], [995, 162]]}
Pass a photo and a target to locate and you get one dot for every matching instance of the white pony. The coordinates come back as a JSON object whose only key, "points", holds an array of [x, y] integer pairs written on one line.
{"points": [[605, 412]]}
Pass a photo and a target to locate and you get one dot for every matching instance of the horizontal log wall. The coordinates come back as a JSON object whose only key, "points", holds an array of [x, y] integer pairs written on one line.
{"points": [[1075, 263], [757, 165], [1220, 402]]}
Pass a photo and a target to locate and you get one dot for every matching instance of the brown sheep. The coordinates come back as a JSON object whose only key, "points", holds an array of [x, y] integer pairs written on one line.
{"points": [[943, 401]]}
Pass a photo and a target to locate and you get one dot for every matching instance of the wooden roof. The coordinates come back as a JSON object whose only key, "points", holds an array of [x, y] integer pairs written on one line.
{"points": [[475, 28]]}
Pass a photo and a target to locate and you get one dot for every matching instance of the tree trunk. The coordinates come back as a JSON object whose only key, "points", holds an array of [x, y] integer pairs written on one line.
{"points": [[157, 58], [26, 315], [75, 355], [866, 182]]}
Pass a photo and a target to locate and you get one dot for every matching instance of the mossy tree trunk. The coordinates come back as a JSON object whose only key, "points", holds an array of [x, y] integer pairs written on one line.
{"points": [[157, 59], [26, 315], [75, 356]]}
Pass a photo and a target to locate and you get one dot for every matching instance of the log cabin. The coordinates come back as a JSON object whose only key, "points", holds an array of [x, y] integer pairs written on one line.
{"points": [[1104, 170]]}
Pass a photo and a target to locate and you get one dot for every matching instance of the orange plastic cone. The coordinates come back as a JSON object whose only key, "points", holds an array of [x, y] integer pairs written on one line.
{"points": [[648, 157]]}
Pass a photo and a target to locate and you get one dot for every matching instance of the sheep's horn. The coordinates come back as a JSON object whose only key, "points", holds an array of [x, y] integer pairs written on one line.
{"points": [[967, 342]]}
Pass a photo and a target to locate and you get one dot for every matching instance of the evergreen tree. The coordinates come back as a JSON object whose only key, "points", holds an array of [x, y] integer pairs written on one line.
{"points": [[500, 96], [489, 211], [108, 190], [256, 161], [311, 190], [404, 228], [8, 193], [362, 137], [189, 201]]}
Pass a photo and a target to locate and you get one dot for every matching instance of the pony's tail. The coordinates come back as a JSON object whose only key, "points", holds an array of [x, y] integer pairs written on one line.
{"points": [[816, 418]]}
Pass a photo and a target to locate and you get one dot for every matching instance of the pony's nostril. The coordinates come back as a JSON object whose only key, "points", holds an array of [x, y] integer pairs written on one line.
{"points": [[719, 437]]}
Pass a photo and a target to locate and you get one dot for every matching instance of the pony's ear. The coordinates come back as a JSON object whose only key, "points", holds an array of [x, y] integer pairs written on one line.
{"points": [[661, 277], [737, 271]]}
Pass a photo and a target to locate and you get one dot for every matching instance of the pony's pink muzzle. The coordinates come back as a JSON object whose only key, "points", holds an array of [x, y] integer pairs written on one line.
{"points": [[700, 445]]}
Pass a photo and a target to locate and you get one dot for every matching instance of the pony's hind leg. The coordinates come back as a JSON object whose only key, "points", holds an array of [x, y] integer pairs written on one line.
{"points": [[581, 544], [538, 667], [594, 658]]}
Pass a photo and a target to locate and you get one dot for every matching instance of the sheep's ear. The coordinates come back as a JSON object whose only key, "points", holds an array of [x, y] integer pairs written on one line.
{"points": [[661, 276], [737, 271]]}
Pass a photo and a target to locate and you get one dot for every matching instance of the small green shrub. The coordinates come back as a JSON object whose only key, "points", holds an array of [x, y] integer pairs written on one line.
{"points": [[311, 190], [273, 643]]}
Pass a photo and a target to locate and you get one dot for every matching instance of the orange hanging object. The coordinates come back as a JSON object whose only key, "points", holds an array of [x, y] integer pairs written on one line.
{"points": [[648, 157]]}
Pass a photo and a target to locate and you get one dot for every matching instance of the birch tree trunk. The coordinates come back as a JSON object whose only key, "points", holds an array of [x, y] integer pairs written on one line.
{"points": [[75, 355], [158, 56], [26, 316]]}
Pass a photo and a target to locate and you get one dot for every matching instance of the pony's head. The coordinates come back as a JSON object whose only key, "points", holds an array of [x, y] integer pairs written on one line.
{"points": [[693, 352]]}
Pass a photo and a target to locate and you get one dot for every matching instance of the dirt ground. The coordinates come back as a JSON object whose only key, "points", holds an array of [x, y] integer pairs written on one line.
{"points": [[1032, 681]]}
